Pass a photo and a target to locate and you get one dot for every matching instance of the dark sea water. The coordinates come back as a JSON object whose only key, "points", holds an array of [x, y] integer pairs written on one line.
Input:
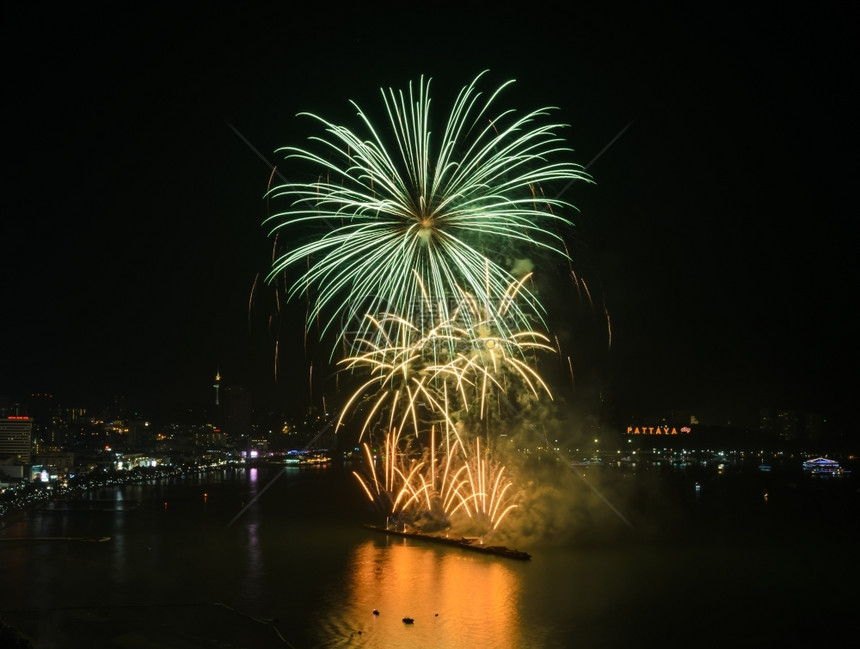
{"points": [[270, 557]]}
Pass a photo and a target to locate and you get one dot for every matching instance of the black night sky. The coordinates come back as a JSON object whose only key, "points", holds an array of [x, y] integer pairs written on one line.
{"points": [[718, 230]]}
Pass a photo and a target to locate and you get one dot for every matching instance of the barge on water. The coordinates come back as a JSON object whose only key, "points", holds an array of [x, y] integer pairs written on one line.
{"points": [[466, 543]]}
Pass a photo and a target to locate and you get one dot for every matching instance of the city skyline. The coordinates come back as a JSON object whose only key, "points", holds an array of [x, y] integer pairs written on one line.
{"points": [[715, 237], [44, 407]]}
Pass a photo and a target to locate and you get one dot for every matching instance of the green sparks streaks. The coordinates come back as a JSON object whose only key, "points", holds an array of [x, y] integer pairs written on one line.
{"points": [[454, 208]]}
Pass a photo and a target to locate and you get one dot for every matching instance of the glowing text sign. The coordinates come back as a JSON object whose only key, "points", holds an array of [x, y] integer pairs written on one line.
{"points": [[658, 430]]}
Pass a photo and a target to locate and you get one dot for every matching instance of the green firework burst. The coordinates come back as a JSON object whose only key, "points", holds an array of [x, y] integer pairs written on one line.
{"points": [[400, 203]]}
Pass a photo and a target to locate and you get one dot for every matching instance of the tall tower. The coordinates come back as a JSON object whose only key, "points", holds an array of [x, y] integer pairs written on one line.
{"points": [[217, 386]]}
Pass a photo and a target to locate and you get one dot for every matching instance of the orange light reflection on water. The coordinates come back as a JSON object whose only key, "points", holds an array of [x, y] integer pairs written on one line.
{"points": [[456, 598]]}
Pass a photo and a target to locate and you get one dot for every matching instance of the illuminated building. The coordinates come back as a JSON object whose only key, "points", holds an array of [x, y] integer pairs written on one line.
{"points": [[15, 445], [787, 425]]}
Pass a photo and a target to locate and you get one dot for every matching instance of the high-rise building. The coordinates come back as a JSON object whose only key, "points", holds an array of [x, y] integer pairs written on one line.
{"points": [[766, 423], [217, 387], [813, 427], [120, 407], [237, 422], [787, 425], [16, 433]]}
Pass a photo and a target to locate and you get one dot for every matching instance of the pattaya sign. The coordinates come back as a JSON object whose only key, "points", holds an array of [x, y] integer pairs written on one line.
{"points": [[658, 430]]}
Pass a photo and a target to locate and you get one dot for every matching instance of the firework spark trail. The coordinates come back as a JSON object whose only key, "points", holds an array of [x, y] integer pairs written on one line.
{"points": [[251, 298], [448, 480], [608, 327], [395, 491], [404, 366], [488, 500], [406, 370], [576, 281]]}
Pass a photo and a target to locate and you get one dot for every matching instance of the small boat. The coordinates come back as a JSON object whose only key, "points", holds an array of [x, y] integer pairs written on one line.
{"points": [[408, 620], [826, 472], [306, 458], [820, 463], [823, 467]]}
